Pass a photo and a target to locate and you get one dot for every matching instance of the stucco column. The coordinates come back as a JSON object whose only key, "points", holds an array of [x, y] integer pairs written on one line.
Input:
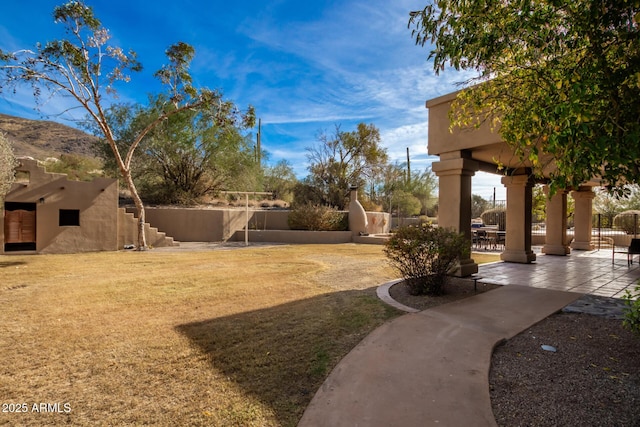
{"points": [[582, 217], [556, 234], [454, 201], [519, 205]]}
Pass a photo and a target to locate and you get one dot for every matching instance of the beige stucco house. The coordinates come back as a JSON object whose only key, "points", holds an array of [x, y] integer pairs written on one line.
{"points": [[462, 153], [47, 213]]}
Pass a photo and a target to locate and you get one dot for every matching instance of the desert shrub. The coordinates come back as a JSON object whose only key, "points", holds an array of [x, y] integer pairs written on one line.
{"points": [[370, 206], [627, 221], [314, 217], [424, 254], [632, 310], [405, 203], [77, 167], [280, 204], [424, 219], [495, 216]]}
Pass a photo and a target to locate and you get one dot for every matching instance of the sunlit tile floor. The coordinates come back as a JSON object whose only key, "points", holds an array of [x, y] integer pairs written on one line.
{"points": [[587, 272]]}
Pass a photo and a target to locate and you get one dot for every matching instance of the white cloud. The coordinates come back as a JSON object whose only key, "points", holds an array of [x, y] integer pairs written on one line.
{"points": [[484, 184]]}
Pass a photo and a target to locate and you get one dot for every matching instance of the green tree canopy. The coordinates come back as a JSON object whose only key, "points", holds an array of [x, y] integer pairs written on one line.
{"points": [[281, 180], [187, 156], [612, 204], [344, 159], [560, 79], [396, 186], [478, 205], [406, 204]]}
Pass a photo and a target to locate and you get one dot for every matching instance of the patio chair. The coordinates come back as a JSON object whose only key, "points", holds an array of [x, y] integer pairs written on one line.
{"points": [[502, 239], [492, 239], [479, 238], [634, 249]]}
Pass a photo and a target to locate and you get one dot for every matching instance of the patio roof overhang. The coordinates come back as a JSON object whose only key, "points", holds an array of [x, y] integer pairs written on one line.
{"points": [[479, 144]]}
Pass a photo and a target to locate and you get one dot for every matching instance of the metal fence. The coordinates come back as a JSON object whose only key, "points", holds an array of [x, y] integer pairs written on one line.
{"points": [[610, 231], [607, 232]]}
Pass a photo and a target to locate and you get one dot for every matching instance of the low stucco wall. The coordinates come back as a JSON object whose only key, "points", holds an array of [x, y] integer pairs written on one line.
{"points": [[617, 238], [379, 222], [294, 236], [210, 225], [216, 225], [197, 225]]}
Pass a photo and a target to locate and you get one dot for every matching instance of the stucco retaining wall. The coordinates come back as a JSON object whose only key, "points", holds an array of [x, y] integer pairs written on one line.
{"points": [[215, 225], [294, 236]]}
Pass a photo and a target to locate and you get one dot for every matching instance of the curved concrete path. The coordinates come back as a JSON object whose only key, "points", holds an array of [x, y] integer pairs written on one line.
{"points": [[431, 367]]}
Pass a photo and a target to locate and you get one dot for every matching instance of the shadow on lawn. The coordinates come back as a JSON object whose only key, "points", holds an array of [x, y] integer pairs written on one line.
{"points": [[281, 355], [7, 264]]}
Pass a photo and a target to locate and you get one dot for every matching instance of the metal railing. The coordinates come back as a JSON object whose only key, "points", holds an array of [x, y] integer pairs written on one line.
{"points": [[610, 231], [607, 232]]}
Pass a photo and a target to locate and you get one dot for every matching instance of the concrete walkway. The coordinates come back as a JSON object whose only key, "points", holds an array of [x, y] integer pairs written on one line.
{"points": [[432, 367]]}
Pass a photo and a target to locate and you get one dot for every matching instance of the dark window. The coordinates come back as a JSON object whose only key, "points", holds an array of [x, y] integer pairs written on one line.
{"points": [[69, 217]]}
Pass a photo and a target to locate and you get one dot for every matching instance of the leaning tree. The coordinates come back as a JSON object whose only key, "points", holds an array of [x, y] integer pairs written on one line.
{"points": [[86, 68]]}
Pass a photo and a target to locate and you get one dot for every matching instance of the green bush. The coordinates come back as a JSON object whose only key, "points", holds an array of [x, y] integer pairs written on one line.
{"points": [[424, 255], [628, 221], [317, 218], [405, 203], [495, 216], [632, 310], [75, 166]]}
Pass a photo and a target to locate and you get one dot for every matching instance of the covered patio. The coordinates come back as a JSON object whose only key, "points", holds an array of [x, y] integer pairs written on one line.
{"points": [[462, 153], [585, 272]]}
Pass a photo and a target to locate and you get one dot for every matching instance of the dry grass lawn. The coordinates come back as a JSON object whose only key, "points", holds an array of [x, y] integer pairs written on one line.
{"points": [[228, 338]]}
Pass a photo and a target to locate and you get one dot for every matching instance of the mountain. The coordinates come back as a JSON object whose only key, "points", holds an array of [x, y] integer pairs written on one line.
{"points": [[41, 139]]}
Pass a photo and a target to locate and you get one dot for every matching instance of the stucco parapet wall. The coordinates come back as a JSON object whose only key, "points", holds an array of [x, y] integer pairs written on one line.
{"points": [[444, 138], [444, 99]]}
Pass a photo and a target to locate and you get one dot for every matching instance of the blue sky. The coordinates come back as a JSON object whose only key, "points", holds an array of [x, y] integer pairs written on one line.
{"points": [[304, 66]]}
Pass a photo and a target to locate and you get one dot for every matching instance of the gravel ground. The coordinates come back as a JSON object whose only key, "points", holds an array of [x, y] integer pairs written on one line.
{"points": [[592, 379]]}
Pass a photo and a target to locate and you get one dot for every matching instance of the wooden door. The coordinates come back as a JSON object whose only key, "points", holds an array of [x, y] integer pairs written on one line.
{"points": [[19, 226]]}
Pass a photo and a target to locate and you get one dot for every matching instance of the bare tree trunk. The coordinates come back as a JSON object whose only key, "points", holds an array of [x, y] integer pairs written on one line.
{"points": [[142, 238]]}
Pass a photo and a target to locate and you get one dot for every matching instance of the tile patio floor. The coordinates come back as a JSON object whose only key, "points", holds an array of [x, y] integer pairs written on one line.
{"points": [[586, 272]]}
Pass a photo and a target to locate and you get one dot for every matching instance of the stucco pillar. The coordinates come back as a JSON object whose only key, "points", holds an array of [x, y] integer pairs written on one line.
{"points": [[519, 205], [454, 200], [556, 234], [582, 217]]}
